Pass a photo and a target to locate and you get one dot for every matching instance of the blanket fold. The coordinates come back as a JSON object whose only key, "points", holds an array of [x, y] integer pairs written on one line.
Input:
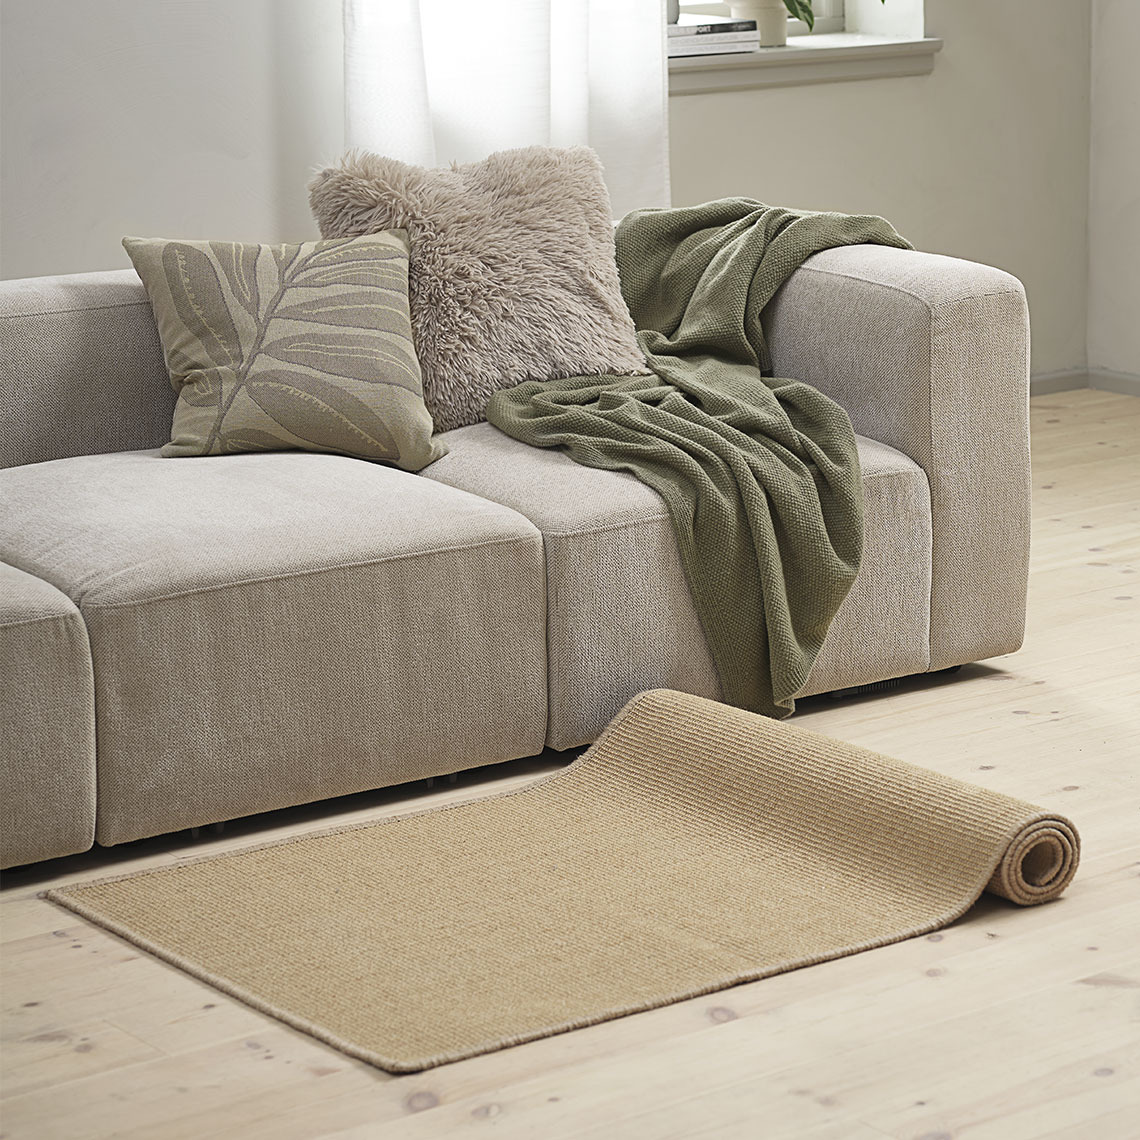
{"points": [[760, 475]]}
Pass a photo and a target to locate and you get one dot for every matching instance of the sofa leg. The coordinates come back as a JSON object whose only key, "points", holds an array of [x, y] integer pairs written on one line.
{"points": [[217, 828]]}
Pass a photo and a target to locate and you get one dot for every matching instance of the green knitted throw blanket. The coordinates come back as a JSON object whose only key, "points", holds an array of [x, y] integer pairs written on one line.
{"points": [[760, 475]]}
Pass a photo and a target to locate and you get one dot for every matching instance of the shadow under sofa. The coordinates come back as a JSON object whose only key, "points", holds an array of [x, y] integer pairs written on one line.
{"points": [[193, 640]]}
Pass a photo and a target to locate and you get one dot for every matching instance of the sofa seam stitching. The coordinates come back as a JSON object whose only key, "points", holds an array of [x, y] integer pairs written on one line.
{"points": [[85, 606], [903, 472], [895, 288], [77, 309], [69, 616], [605, 529]]}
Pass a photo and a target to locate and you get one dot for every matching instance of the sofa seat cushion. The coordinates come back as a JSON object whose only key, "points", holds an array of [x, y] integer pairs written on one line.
{"points": [[270, 629], [47, 745], [620, 613]]}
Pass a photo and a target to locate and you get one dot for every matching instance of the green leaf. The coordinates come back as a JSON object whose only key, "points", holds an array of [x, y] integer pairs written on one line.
{"points": [[375, 275], [202, 388], [239, 263], [355, 356], [200, 302], [350, 261], [323, 414], [801, 10], [285, 255], [253, 439], [360, 309], [338, 251]]}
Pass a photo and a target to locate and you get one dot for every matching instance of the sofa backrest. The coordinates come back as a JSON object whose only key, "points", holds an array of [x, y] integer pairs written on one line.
{"points": [[81, 368]]}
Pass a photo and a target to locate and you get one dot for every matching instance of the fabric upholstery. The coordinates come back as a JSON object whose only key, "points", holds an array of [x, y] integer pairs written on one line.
{"points": [[279, 347], [81, 368], [47, 736], [620, 612], [930, 355], [270, 629], [882, 628], [512, 272]]}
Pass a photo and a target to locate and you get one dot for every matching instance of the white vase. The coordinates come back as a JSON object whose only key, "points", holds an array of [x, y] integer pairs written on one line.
{"points": [[771, 19]]}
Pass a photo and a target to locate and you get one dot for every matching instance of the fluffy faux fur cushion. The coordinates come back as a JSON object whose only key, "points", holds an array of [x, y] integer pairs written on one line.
{"points": [[512, 273]]}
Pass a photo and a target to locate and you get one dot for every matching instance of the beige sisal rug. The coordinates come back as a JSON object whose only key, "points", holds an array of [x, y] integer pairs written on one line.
{"points": [[693, 847]]}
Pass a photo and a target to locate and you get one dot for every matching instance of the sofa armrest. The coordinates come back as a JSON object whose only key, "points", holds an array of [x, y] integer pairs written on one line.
{"points": [[81, 368], [930, 355]]}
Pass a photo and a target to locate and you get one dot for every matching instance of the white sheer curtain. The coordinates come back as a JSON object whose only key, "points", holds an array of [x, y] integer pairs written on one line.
{"points": [[436, 81]]}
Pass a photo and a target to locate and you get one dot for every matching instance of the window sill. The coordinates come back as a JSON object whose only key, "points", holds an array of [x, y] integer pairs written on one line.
{"points": [[834, 57]]}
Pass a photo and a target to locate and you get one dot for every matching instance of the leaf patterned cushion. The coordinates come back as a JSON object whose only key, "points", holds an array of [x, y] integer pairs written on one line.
{"points": [[277, 347]]}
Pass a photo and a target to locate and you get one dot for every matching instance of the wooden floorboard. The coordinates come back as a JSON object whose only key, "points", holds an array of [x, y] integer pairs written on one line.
{"points": [[1009, 1024]]}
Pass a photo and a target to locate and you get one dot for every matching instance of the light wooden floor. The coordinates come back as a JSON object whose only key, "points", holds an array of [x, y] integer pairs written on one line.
{"points": [[1011, 1023]]}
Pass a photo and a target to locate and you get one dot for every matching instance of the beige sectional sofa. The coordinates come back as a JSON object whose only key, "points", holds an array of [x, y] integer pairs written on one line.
{"points": [[184, 641]]}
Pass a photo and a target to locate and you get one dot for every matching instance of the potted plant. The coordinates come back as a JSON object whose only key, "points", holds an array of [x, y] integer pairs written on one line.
{"points": [[771, 17]]}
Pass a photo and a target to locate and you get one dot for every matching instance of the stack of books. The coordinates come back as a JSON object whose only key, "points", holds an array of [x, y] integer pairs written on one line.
{"points": [[712, 35]]}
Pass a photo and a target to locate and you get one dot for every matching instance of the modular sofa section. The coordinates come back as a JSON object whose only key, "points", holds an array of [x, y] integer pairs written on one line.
{"points": [[278, 628], [47, 723], [930, 355], [621, 614]]}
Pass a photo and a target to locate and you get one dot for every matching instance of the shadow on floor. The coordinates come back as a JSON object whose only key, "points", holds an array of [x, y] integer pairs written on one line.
{"points": [[254, 827], [321, 812]]}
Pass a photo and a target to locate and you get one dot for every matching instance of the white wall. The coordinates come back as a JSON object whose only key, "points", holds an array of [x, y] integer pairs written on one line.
{"points": [[205, 117], [158, 118], [985, 159], [1114, 189]]}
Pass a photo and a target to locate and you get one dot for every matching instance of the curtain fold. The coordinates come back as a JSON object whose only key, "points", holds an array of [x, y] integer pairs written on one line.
{"points": [[440, 81]]}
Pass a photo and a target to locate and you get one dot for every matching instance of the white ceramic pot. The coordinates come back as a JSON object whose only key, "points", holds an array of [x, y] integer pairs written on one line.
{"points": [[771, 19]]}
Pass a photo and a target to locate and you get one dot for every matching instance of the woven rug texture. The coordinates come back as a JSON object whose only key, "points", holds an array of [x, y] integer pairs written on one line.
{"points": [[695, 846]]}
